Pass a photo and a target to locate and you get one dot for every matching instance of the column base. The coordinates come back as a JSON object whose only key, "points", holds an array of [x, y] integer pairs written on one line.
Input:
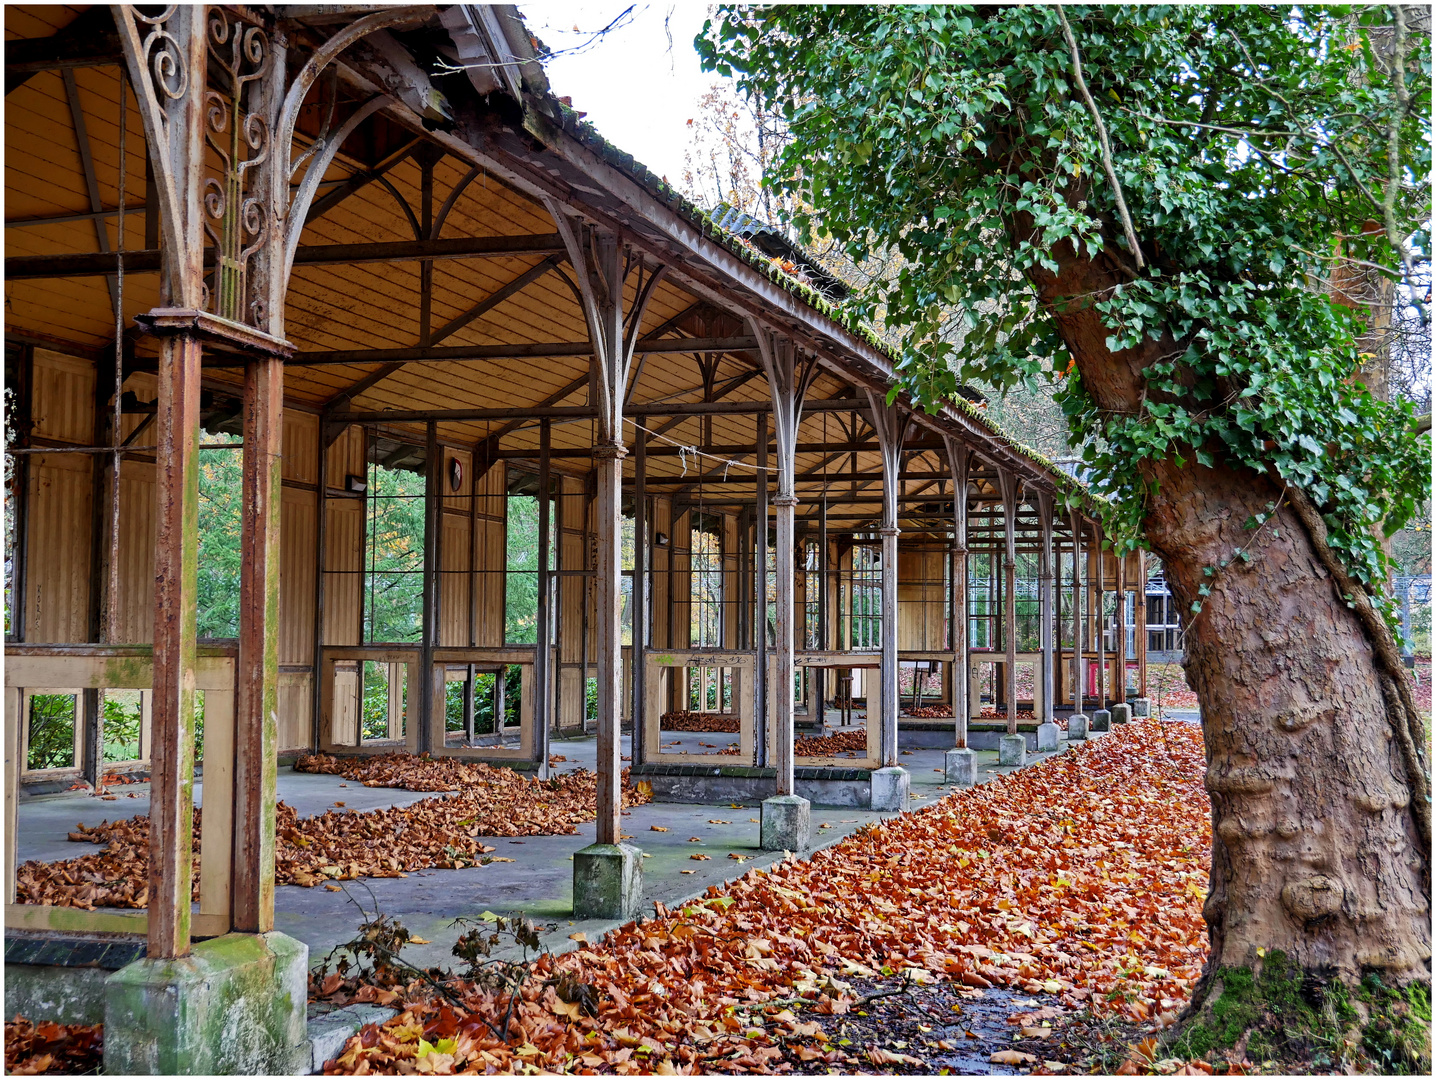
{"points": [[1101, 721], [890, 788], [607, 882], [787, 824], [1012, 750], [1142, 707], [1122, 714], [959, 767], [1077, 728], [1046, 737], [235, 1005]]}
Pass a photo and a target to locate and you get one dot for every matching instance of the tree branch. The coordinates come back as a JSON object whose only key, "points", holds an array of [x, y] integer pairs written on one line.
{"points": [[1102, 139]]}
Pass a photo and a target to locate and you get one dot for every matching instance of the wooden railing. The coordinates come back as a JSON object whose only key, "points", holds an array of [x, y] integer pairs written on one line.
{"points": [[71, 669]]}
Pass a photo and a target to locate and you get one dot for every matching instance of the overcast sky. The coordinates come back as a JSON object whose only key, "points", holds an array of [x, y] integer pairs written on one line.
{"points": [[639, 83]]}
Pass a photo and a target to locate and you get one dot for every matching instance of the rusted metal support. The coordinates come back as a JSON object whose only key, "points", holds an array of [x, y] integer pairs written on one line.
{"points": [[1101, 615], [431, 689], [820, 675], [1044, 584], [760, 599], [543, 636], [1009, 483], [891, 423], [257, 673], [1119, 679], [959, 459], [1078, 623], [642, 560]]}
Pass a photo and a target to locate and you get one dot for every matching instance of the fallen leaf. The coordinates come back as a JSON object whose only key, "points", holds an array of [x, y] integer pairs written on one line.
{"points": [[658, 828], [698, 857], [1012, 1057]]}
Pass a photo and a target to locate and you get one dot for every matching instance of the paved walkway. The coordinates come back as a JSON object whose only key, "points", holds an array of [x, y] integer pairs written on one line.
{"points": [[539, 880]]}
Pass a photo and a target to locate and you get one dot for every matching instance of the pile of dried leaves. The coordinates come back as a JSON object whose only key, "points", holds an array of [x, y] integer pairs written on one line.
{"points": [[699, 721], [343, 844], [46, 1047], [993, 714], [1081, 877], [930, 712], [845, 742]]}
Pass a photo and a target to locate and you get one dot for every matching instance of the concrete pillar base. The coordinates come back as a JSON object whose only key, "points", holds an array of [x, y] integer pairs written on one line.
{"points": [[960, 767], [234, 1006], [1046, 737], [607, 882], [787, 824], [1012, 750], [1101, 721], [1142, 707], [1077, 728], [890, 788], [1122, 714]]}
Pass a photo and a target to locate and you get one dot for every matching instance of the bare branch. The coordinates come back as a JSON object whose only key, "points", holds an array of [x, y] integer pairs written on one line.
{"points": [[1102, 139]]}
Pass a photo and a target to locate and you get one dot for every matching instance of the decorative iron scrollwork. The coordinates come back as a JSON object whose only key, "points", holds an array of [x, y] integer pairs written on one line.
{"points": [[237, 131], [161, 54]]}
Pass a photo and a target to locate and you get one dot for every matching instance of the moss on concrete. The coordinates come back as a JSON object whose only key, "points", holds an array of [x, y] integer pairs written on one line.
{"points": [[1280, 1012]]}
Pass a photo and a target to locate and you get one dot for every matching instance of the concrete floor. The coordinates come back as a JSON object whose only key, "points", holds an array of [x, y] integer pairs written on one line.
{"points": [[539, 880]]}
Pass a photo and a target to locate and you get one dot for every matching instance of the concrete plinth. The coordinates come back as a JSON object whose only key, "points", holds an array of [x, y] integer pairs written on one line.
{"points": [[890, 788], [1077, 728], [607, 881], [1142, 707], [1046, 737], [1012, 750], [234, 1006], [960, 767], [1101, 721], [787, 824], [1121, 714]]}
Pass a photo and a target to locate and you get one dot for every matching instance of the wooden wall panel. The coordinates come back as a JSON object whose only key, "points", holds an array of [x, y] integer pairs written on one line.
{"points": [[346, 456], [301, 447], [731, 592], [456, 500], [58, 575], [295, 702], [682, 581], [137, 553], [921, 599], [296, 577], [662, 523], [344, 548], [64, 398], [454, 600]]}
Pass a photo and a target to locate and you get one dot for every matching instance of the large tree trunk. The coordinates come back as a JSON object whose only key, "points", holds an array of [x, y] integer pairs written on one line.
{"points": [[1317, 846]]}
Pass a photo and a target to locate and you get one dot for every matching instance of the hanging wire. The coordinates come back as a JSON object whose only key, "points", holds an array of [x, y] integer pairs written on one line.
{"points": [[686, 451], [112, 601]]}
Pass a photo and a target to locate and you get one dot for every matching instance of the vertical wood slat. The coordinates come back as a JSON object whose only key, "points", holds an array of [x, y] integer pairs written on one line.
{"points": [[13, 727], [218, 838], [257, 676]]}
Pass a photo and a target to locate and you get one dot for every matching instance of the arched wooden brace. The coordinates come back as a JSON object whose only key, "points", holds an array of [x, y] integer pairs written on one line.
{"points": [[789, 376], [1010, 485], [600, 267], [891, 423], [1044, 581], [959, 460], [254, 105]]}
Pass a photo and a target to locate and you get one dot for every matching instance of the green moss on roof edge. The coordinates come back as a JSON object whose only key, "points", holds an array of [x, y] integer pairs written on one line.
{"points": [[574, 125]]}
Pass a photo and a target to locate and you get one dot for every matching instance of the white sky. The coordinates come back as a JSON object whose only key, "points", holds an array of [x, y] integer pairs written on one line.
{"points": [[640, 83]]}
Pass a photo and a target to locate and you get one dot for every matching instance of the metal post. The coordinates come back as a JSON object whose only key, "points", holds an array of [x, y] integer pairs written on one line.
{"points": [[820, 676], [1044, 578], [431, 685], [256, 714], [640, 595], [1009, 483], [760, 597], [960, 462], [543, 636], [1101, 619], [1077, 621], [609, 641]]}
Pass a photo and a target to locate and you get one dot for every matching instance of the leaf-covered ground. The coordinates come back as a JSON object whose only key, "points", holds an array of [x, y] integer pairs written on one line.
{"points": [[1080, 879], [47, 1047], [342, 844]]}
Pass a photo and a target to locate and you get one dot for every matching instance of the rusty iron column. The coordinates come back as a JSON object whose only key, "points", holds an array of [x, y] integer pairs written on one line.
{"points": [[761, 752], [257, 677], [890, 783], [1078, 623], [543, 635], [608, 876], [641, 563], [960, 462]]}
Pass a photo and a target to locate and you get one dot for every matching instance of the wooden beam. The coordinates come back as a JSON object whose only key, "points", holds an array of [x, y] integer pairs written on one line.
{"points": [[89, 41], [521, 351], [89, 264]]}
